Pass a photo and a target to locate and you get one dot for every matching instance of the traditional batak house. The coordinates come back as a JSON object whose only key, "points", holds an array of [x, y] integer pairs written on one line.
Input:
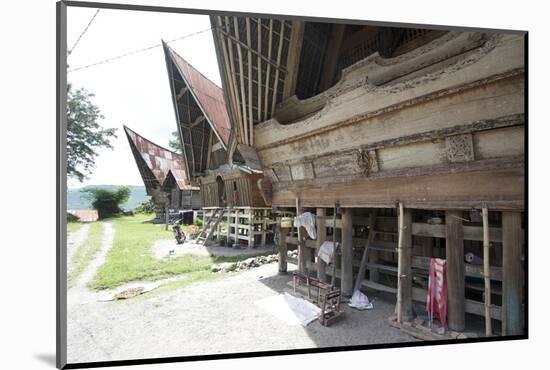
{"points": [[405, 143], [205, 131], [164, 176]]}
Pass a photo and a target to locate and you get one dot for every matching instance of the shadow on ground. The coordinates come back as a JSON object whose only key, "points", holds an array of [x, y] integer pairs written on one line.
{"points": [[355, 327]]}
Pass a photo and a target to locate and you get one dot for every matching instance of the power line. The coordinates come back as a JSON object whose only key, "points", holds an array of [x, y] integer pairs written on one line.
{"points": [[137, 51], [84, 31]]}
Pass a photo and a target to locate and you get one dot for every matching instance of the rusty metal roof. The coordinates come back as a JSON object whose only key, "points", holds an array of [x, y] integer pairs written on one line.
{"points": [[159, 160], [180, 179], [208, 95]]}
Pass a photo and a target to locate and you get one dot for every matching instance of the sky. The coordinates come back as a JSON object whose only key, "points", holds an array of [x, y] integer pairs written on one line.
{"points": [[133, 90]]}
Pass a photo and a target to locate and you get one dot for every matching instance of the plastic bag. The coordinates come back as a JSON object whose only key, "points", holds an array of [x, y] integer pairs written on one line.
{"points": [[360, 301]]}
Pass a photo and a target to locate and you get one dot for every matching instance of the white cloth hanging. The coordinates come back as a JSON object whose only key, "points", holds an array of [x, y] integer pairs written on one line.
{"points": [[307, 221], [326, 251]]}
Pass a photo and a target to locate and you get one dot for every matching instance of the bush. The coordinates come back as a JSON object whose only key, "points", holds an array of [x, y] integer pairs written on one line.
{"points": [[198, 222], [145, 207], [107, 202]]}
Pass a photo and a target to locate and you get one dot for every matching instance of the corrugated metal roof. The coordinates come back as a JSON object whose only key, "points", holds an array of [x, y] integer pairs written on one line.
{"points": [[181, 180], [208, 94], [160, 160]]}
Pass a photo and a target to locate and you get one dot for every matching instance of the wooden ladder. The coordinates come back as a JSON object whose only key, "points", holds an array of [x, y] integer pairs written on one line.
{"points": [[210, 226], [378, 245]]}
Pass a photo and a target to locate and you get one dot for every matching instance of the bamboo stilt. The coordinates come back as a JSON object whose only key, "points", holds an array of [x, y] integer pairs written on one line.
{"points": [[399, 265], [321, 237], [333, 278], [487, 272]]}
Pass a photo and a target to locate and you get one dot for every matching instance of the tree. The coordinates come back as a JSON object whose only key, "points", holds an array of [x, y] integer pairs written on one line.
{"points": [[107, 202], [84, 134], [175, 142]]}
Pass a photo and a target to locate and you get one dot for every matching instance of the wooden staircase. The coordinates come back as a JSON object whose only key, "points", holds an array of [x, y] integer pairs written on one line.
{"points": [[375, 244], [209, 227]]}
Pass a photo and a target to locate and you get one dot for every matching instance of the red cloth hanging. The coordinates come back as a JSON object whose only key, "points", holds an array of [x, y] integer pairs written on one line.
{"points": [[437, 291]]}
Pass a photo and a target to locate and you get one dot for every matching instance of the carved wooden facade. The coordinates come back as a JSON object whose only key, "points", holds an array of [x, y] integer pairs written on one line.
{"points": [[371, 117]]}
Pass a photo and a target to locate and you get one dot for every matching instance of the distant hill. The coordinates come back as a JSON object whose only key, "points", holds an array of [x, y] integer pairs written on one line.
{"points": [[77, 200]]}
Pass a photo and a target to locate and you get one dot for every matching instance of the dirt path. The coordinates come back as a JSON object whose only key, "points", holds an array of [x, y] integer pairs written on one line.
{"points": [[79, 293], [212, 317], [74, 240]]}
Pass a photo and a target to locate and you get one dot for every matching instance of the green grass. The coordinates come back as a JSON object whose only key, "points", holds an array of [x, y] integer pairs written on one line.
{"points": [[131, 256], [73, 226], [86, 251]]}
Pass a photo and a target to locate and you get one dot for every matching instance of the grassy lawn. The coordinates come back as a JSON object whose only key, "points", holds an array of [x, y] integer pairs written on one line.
{"points": [[86, 251], [131, 256], [73, 226]]}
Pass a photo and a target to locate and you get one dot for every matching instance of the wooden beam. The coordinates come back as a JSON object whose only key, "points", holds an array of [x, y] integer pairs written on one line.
{"points": [[321, 237], [302, 266], [279, 53], [198, 120], [512, 276], [270, 41], [254, 52], [470, 306], [452, 190], [469, 270], [230, 66], [347, 252], [241, 79], [217, 146], [364, 258], [454, 249], [209, 151], [283, 250], [404, 266], [250, 118], [259, 63], [183, 90], [293, 58], [470, 232], [486, 272], [251, 225], [357, 220], [308, 243]]}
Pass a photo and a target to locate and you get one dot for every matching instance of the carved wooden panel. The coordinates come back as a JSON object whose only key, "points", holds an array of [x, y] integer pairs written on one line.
{"points": [[459, 148], [367, 161]]}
